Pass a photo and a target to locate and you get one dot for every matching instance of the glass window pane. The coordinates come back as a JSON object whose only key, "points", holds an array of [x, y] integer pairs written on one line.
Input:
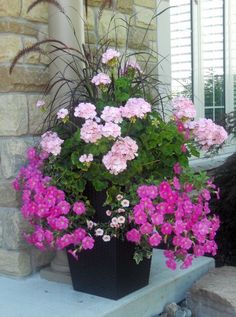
{"points": [[209, 113], [212, 55], [233, 47], [181, 52]]}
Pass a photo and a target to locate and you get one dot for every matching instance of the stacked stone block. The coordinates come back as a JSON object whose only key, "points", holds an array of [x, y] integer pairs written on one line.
{"points": [[19, 120], [138, 13]]}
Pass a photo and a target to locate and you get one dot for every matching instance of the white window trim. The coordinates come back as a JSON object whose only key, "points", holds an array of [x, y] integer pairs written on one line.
{"points": [[164, 72]]}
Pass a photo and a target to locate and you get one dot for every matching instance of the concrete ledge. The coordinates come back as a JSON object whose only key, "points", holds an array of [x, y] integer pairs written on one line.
{"points": [[36, 297]]}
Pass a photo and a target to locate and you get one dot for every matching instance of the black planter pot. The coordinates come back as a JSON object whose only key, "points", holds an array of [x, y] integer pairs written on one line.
{"points": [[108, 270]]}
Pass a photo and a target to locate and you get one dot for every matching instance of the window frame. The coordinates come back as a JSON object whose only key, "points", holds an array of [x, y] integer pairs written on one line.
{"points": [[164, 69], [163, 41]]}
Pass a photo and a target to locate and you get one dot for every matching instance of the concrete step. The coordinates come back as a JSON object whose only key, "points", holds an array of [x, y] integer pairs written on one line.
{"points": [[36, 297]]}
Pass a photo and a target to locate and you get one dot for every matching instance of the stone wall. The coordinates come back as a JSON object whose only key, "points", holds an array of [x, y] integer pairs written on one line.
{"points": [[18, 122], [138, 13], [20, 119]]}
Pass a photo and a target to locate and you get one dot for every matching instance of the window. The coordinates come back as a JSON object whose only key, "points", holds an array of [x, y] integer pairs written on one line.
{"points": [[198, 49]]}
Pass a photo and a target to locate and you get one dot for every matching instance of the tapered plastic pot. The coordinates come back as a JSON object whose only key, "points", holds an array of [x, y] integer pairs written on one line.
{"points": [[108, 270]]}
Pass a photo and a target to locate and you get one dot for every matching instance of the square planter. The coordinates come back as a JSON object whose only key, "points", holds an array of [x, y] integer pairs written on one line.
{"points": [[108, 270]]}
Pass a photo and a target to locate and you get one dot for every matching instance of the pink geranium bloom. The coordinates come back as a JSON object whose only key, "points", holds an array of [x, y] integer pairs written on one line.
{"points": [[132, 65], [91, 132], [208, 134], [111, 129], [62, 113], [40, 103], [110, 55], [101, 79], [111, 114], [51, 143], [123, 150], [183, 108], [85, 110], [135, 107]]}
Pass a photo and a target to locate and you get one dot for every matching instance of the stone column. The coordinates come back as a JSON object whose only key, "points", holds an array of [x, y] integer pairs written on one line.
{"points": [[62, 29]]}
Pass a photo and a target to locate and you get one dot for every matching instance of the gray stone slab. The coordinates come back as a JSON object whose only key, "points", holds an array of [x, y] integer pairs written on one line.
{"points": [[214, 295], [40, 298]]}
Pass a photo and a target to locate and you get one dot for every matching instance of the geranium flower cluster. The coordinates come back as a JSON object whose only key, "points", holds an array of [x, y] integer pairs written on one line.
{"points": [[51, 143], [207, 133], [183, 108], [172, 214], [47, 210], [204, 131], [123, 150], [110, 57]]}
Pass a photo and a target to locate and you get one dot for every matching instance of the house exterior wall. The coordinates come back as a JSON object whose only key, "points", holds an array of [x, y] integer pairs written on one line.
{"points": [[19, 121], [139, 13], [19, 92]]}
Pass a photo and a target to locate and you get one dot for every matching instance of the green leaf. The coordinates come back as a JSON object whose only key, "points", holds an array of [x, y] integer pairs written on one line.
{"points": [[77, 135], [111, 194], [138, 257], [99, 184], [193, 150]]}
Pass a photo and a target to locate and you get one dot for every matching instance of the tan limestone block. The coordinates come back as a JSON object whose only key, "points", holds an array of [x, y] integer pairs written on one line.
{"points": [[113, 31], [23, 79], [15, 263], [18, 27], [13, 115], [147, 3], [90, 38], [145, 18], [14, 227], [32, 57], [12, 155], [125, 6], [8, 196], [39, 13], [89, 20], [10, 8], [95, 3], [138, 39], [36, 116], [10, 45], [40, 259]]}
